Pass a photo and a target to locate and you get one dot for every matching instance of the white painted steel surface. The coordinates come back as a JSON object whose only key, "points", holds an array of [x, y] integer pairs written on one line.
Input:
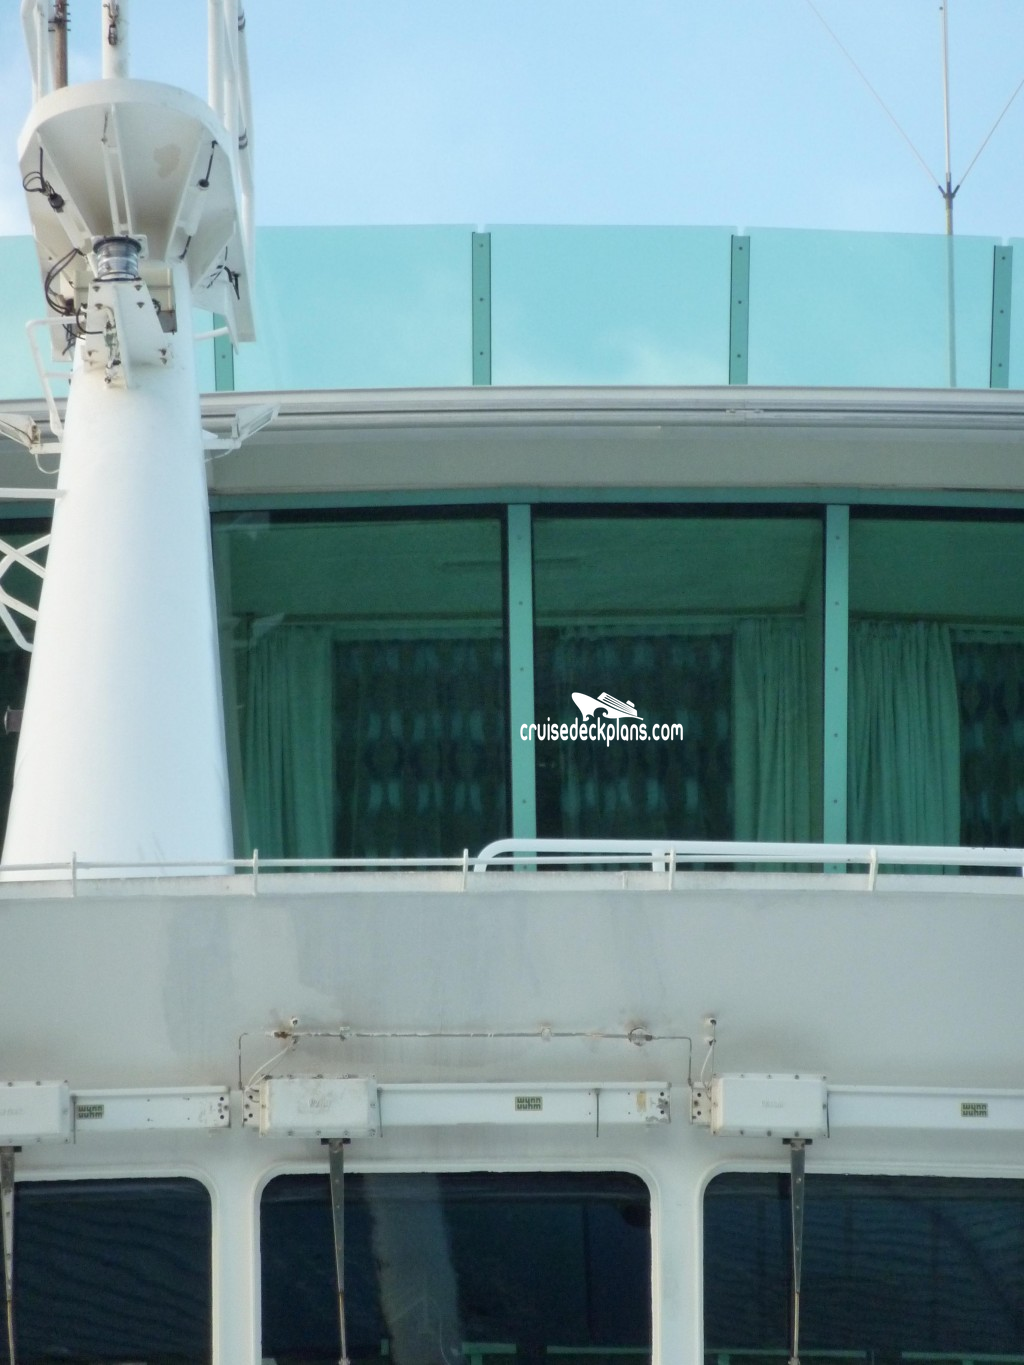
{"points": [[509, 977], [769, 1106], [115, 38], [38, 1111], [121, 753]]}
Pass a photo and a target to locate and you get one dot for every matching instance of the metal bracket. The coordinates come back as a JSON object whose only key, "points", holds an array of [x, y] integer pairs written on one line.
{"points": [[246, 422], [336, 1149], [797, 1154]]}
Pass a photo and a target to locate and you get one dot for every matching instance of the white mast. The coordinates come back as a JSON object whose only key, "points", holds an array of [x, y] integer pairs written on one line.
{"points": [[136, 197]]}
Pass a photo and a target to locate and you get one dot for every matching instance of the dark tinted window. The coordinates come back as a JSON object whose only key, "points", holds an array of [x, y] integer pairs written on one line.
{"points": [[434, 1262], [892, 1265], [112, 1270]]}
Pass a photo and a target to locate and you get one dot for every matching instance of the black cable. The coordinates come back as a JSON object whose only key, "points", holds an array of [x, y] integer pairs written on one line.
{"points": [[57, 302], [36, 183]]}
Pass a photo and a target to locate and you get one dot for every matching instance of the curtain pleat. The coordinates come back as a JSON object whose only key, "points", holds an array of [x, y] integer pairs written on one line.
{"points": [[770, 731], [289, 748], [904, 756]]}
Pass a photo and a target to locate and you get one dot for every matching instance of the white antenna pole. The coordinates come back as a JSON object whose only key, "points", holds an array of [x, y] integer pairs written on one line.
{"points": [[116, 29], [121, 757], [949, 193]]}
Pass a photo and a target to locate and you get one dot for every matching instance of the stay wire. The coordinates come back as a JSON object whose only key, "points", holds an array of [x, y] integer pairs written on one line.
{"points": [[988, 137], [889, 114]]}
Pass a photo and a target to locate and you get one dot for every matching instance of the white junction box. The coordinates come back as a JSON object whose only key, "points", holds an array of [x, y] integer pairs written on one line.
{"points": [[34, 1111], [772, 1105], [313, 1107]]}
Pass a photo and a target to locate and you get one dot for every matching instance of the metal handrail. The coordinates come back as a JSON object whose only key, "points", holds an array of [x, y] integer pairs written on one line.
{"points": [[654, 855], [659, 853]]}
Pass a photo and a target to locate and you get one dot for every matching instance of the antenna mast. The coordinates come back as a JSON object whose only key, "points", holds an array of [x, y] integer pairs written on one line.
{"points": [[949, 193], [139, 196]]}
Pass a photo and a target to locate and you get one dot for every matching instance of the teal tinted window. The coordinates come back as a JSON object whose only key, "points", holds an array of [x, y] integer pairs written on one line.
{"points": [[365, 681], [712, 623], [894, 1268], [112, 1270], [438, 1264], [936, 729]]}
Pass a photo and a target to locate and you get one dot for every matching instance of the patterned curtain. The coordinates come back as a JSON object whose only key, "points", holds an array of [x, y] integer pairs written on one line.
{"points": [[990, 681], [632, 789], [420, 742], [904, 750]]}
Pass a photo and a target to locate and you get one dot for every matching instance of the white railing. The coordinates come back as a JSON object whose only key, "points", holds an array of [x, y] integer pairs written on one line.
{"points": [[229, 97], [661, 856], [667, 854]]}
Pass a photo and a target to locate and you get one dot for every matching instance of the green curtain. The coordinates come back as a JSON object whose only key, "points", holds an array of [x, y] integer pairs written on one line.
{"points": [[771, 762], [289, 750], [904, 735]]}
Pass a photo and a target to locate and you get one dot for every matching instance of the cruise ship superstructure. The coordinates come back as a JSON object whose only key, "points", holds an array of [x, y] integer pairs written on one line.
{"points": [[375, 984]]}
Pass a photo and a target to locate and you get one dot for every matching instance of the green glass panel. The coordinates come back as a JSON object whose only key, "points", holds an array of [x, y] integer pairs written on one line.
{"points": [[365, 678], [848, 308], [610, 305], [708, 622], [360, 308], [936, 735]]}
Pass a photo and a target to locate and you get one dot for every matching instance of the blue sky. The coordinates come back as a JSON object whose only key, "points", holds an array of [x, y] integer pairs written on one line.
{"points": [[740, 113]]}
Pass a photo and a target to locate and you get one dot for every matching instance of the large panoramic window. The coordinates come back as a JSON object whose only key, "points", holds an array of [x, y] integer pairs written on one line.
{"points": [[365, 680], [112, 1270], [894, 1268], [441, 1268], [936, 751], [710, 621]]}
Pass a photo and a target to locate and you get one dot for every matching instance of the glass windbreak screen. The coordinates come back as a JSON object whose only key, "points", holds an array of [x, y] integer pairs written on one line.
{"points": [[895, 1269], [364, 677], [112, 1270], [443, 1268], [936, 722], [610, 305], [645, 624], [860, 308], [381, 307]]}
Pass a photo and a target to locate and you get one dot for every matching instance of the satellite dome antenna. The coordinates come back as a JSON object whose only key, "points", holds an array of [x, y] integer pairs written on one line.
{"points": [[140, 199]]}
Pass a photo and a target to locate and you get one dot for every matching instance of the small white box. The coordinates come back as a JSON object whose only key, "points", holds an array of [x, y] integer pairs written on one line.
{"points": [[315, 1107], [772, 1105], [34, 1111]]}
